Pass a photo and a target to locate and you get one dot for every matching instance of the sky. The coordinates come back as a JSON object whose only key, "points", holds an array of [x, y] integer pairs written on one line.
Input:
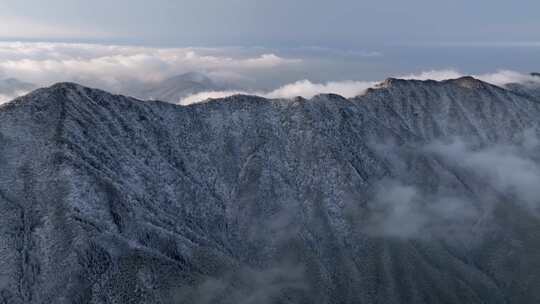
{"points": [[274, 23], [263, 45]]}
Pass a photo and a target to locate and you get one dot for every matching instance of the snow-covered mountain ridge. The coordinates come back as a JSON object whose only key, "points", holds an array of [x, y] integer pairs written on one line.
{"points": [[388, 197]]}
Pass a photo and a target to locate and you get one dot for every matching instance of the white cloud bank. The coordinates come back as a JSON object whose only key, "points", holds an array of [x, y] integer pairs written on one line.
{"points": [[304, 88], [126, 69], [116, 67]]}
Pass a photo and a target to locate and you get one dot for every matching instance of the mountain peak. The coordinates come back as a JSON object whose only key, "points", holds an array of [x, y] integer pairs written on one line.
{"points": [[73, 91], [394, 82], [177, 87], [328, 97], [193, 76], [468, 82], [389, 82], [68, 86], [61, 91]]}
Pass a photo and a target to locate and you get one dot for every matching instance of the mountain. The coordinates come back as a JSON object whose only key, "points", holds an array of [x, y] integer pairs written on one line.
{"points": [[175, 88], [415, 192], [11, 88]]}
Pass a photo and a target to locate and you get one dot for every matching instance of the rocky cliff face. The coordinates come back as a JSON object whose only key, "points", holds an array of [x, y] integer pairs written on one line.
{"points": [[407, 194]]}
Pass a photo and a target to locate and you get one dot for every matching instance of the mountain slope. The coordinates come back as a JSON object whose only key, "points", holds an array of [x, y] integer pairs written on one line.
{"points": [[247, 200], [459, 107], [530, 91], [530, 88]]}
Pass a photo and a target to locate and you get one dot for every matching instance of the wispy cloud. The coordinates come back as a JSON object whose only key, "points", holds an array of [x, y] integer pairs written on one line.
{"points": [[402, 210], [438, 75], [277, 236], [9, 97], [511, 169], [502, 173]]}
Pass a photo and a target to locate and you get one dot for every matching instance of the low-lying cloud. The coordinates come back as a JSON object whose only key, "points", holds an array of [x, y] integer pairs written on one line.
{"points": [[304, 88], [282, 276], [350, 88], [403, 207], [512, 170], [403, 210], [246, 286], [308, 89]]}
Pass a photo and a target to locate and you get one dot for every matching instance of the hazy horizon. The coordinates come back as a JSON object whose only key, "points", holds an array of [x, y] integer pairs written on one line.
{"points": [[263, 46]]}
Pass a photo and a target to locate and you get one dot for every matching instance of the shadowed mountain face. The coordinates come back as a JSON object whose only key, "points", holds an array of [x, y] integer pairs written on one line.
{"points": [[416, 192]]}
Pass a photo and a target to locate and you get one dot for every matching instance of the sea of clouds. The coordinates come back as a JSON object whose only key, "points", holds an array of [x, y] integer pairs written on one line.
{"points": [[123, 68]]}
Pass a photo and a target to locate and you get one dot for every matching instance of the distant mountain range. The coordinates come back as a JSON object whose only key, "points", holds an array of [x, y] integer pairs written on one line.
{"points": [[170, 90], [176, 88], [415, 192], [11, 88]]}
